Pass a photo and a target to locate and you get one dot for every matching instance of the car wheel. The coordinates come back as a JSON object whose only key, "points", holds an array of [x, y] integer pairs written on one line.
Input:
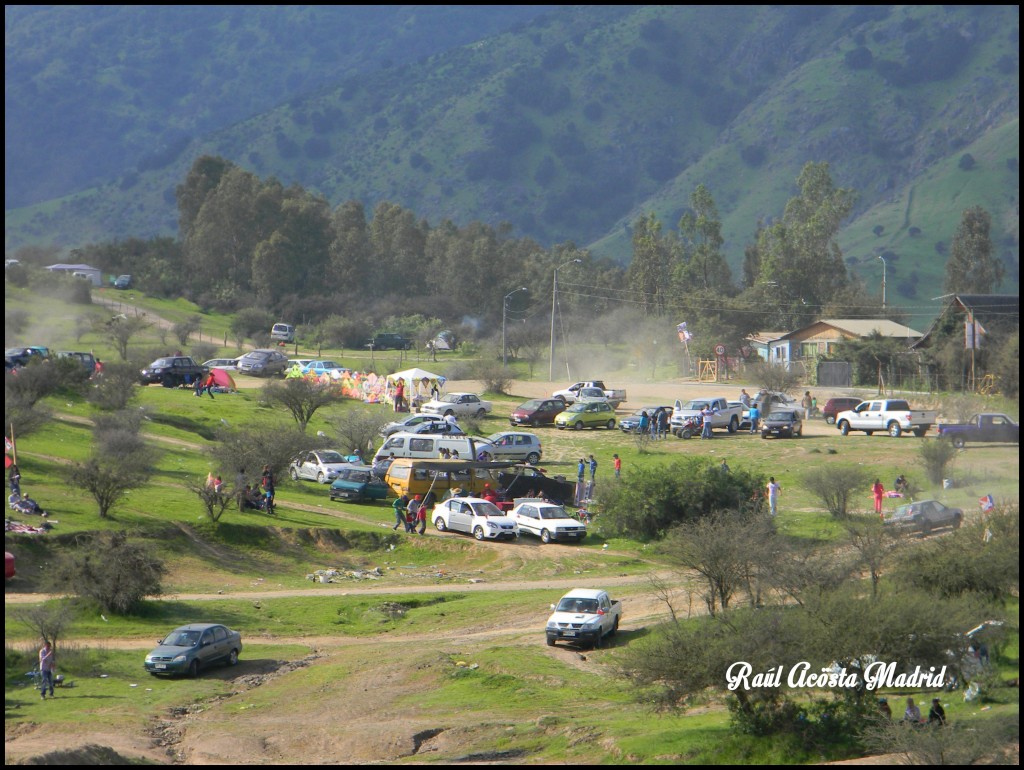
{"points": [[167, 382], [958, 442], [578, 425], [545, 536], [844, 428], [610, 425], [533, 458], [734, 425], [926, 528], [478, 533], [869, 433], [598, 641], [439, 524], [764, 435], [830, 419], [294, 474], [615, 628], [957, 521], [895, 430], [481, 413], [193, 669], [551, 642], [233, 658], [321, 478]]}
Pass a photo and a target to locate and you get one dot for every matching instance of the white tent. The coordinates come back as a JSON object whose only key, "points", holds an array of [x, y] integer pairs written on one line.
{"points": [[418, 383]]}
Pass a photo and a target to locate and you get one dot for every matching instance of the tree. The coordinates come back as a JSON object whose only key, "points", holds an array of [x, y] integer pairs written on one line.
{"points": [[116, 387], [936, 455], [48, 621], [359, 428], [703, 266], [972, 267], [650, 269], [873, 543], [111, 570], [836, 486], [185, 329], [214, 501], [121, 461], [120, 330], [248, 449], [302, 397]]}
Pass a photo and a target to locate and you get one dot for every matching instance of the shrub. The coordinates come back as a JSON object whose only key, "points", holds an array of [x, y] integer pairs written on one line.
{"points": [[936, 456], [836, 486]]}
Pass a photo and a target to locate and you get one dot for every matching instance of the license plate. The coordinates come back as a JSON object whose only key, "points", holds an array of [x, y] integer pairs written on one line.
{"points": [[568, 633], [160, 666]]}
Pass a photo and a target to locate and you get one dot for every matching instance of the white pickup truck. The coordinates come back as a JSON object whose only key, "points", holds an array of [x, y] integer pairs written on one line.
{"points": [[725, 415], [584, 616], [572, 393], [893, 417]]}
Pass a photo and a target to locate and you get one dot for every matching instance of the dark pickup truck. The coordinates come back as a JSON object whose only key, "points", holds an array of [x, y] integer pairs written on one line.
{"points": [[982, 427], [389, 342]]}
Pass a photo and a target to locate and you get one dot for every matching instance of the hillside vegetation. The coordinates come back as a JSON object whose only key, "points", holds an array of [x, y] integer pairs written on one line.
{"points": [[571, 125]]}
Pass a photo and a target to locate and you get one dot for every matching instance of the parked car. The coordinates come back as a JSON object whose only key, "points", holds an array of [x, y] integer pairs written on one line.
{"points": [[597, 414], [784, 423], [229, 364], [437, 428], [982, 427], [584, 615], [894, 416], [188, 649], [282, 332], [632, 422], [22, 356], [537, 411], [321, 465], [458, 404], [836, 405], [263, 363], [325, 367], [475, 516], [123, 282], [389, 341], [87, 360], [925, 515], [408, 423], [357, 482], [173, 371], [429, 446], [515, 446], [547, 521]]}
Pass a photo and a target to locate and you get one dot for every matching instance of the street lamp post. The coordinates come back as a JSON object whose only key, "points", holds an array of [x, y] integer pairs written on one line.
{"points": [[504, 309], [554, 307], [883, 280]]}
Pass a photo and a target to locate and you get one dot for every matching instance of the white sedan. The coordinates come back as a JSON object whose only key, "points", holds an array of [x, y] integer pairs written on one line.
{"points": [[475, 516], [321, 466], [547, 521], [458, 404]]}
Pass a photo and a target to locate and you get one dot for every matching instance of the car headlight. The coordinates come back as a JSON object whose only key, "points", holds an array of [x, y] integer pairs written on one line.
{"points": [[149, 658], [180, 659], [552, 624]]}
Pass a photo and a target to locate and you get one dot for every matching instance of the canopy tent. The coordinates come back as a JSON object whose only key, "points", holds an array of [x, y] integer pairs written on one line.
{"points": [[418, 384], [222, 379]]}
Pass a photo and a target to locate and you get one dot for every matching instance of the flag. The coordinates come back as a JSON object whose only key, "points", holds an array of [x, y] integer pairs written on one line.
{"points": [[684, 335], [974, 334], [8, 446], [987, 503]]}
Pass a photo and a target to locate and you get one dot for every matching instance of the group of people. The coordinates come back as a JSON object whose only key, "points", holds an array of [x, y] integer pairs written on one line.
{"points": [[912, 714], [18, 502], [413, 513], [655, 423], [901, 487], [204, 384]]}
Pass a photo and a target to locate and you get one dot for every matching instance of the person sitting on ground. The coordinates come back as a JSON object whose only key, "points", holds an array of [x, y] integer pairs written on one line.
{"points": [[913, 714], [936, 714], [902, 485], [883, 708]]}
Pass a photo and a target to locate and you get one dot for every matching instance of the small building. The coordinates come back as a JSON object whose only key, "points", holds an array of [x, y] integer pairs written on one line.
{"points": [[821, 337], [759, 344], [92, 274]]}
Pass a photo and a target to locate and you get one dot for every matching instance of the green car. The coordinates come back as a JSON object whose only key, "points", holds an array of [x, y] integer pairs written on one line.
{"points": [[357, 483], [594, 414]]}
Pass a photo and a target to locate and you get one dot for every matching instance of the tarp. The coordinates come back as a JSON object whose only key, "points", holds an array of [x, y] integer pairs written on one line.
{"points": [[222, 379], [418, 384]]}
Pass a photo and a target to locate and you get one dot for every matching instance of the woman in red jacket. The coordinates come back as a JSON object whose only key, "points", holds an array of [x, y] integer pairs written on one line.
{"points": [[878, 491]]}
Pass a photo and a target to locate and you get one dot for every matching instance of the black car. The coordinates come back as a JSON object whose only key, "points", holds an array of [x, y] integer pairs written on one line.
{"points": [[782, 423], [173, 371], [389, 342]]}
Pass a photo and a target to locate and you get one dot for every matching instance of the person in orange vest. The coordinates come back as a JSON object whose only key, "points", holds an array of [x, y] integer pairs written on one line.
{"points": [[208, 385]]}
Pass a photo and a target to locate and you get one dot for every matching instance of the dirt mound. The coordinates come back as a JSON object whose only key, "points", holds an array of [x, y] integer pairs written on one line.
{"points": [[89, 754]]}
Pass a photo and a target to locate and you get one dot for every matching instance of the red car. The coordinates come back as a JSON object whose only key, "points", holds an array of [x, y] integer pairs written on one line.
{"points": [[836, 405], [538, 411]]}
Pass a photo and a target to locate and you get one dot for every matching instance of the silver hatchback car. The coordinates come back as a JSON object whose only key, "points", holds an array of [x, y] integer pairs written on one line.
{"points": [[513, 445]]}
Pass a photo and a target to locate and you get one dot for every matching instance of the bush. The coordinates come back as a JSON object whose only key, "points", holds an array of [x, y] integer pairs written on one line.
{"points": [[495, 377], [936, 456], [836, 486], [112, 571]]}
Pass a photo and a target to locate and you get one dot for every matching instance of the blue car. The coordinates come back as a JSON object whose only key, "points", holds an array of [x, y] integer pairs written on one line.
{"points": [[324, 367], [188, 649]]}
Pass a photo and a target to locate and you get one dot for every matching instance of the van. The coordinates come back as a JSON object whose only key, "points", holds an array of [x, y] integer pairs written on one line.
{"points": [[283, 333], [415, 477], [428, 447], [92, 278]]}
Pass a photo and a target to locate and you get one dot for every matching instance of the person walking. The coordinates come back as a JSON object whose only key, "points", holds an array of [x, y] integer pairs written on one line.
{"points": [[47, 664], [209, 383], [773, 490], [399, 507], [268, 488], [412, 514], [878, 490], [806, 403], [617, 465], [421, 516], [755, 417]]}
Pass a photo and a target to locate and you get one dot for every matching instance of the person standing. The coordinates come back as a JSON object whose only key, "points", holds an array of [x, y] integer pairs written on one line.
{"points": [[878, 490], [208, 385], [421, 516], [581, 469], [593, 468], [268, 488], [706, 415], [755, 417], [399, 507], [400, 395], [806, 403], [412, 514], [617, 465], [745, 398], [47, 664], [15, 480], [773, 490]]}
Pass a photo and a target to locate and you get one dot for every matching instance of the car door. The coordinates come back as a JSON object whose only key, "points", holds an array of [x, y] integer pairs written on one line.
{"points": [[529, 519], [207, 652], [460, 516]]}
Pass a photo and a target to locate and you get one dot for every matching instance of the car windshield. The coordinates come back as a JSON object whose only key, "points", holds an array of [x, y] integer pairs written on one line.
{"points": [[782, 416], [485, 508], [451, 398], [695, 405], [331, 457], [360, 477], [183, 639], [570, 604], [903, 510], [257, 355], [554, 512], [578, 407], [535, 404], [161, 362]]}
